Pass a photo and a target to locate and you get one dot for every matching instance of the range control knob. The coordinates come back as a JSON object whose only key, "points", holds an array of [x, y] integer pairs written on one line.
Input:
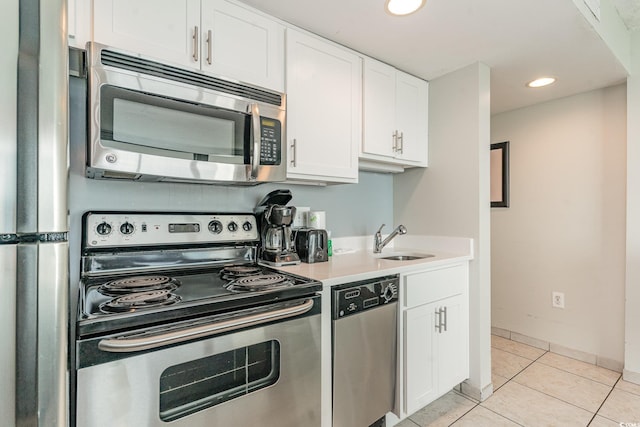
{"points": [[247, 226], [127, 228], [232, 226], [215, 226], [103, 229], [389, 292]]}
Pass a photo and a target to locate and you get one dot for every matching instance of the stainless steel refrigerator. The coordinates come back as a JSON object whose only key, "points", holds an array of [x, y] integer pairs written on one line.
{"points": [[33, 213]]}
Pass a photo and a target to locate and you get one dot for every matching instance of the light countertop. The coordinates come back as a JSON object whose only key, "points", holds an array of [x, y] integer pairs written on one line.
{"points": [[354, 259]]}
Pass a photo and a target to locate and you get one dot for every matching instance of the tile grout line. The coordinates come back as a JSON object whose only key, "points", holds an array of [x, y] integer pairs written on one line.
{"points": [[506, 382], [521, 370], [519, 355], [581, 376], [604, 401], [458, 419], [517, 373], [500, 415], [564, 401], [557, 354], [550, 396]]}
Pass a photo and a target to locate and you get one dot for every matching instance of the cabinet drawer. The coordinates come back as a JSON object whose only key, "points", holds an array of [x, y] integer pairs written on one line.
{"points": [[433, 285]]}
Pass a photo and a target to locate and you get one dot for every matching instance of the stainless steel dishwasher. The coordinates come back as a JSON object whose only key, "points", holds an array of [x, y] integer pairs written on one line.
{"points": [[364, 351]]}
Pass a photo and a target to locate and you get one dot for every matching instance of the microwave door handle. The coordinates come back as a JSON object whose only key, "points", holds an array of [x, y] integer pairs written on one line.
{"points": [[255, 126]]}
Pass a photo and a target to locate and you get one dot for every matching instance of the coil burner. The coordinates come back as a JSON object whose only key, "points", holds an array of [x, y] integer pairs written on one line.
{"points": [[259, 283], [139, 300], [138, 284], [232, 272]]}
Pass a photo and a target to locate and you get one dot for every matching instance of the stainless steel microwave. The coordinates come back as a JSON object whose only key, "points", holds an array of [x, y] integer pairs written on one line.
{"points": [[153, 121]]}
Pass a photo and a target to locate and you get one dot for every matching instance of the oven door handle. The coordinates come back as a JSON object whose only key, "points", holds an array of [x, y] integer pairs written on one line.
{"points": [[130, 345]]}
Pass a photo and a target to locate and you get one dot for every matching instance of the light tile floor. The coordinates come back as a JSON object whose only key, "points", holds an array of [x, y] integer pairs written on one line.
{"points": [[533, 387]]}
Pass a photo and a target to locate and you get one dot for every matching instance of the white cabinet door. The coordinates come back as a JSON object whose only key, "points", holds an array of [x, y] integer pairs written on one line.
{"points": [[323, 109], [395, 116], [412, 101], [436, 350], [435, 334], [379, 110], [453, 343], [420, 376], [239, 43], [158, 28]]}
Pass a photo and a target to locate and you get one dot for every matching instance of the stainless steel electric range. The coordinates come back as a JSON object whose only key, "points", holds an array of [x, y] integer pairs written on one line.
{"points": [[178, 323]]}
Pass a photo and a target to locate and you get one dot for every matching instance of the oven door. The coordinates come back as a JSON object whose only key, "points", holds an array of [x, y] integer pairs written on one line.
{"points": [[154, 122], [268, 373]]}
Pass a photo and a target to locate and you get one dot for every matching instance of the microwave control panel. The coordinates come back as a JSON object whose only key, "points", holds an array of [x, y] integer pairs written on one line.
{"points": [[270, 141]]}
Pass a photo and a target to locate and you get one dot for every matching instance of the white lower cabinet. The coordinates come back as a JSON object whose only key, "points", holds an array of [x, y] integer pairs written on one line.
{"points": [[435, 334]]}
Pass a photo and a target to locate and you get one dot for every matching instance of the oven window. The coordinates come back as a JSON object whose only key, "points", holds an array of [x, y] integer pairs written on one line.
{"points": [[200, 384], [148, 124]]}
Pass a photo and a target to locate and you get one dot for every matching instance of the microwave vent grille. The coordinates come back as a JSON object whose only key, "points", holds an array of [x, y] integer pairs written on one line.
{"points": [[145, 66]]}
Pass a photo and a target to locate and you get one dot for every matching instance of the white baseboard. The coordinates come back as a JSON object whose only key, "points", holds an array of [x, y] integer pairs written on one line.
{"points": [[593, 359], [475, 393], [632, 377]]}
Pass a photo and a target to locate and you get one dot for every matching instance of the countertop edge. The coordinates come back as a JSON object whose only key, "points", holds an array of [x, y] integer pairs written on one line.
{"points": [[362, 264]]}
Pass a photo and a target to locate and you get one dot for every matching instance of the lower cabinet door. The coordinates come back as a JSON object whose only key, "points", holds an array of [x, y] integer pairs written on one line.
{"points": [[453, 344], [420, 376], [436, 350]]}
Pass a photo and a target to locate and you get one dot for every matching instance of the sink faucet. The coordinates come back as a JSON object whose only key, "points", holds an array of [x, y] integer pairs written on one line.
{"points": [[378, 243]]}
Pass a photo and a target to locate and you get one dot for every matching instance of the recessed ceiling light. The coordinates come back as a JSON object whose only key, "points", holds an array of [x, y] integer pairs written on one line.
{"points": [[403, 7], [542, 81]]}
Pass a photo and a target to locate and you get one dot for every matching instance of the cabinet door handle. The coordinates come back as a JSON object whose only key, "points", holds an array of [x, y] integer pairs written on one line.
{"points": [[209, 48], [445, 318], [394, 144], [196, 36], [401, 143], [294, 153], [438, 314]]}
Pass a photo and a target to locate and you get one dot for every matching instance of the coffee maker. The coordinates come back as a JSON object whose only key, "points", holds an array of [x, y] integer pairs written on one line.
{"points": [[274, 218]]}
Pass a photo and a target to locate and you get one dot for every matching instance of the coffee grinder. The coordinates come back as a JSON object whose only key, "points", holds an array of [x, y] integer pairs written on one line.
{"points": [[275, 219]]}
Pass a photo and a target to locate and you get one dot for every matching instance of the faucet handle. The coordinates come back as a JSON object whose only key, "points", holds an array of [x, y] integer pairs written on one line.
{"points": [[380, 229]]}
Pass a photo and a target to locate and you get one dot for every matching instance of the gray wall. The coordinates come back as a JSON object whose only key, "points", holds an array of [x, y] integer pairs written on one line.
{"points": [[632, 290], [451, 196], [352, 209], [565, 228]]}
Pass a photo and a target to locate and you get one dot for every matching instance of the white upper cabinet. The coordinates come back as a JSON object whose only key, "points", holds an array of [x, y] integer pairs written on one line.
{"points": [[395, 116], [166, 29], [242, 44], [379, 109], [412, 100], [323, 109], [217, 36]]}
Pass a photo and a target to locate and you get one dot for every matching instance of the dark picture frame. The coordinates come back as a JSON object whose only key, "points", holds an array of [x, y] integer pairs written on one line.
{"points": [[500, 175]]}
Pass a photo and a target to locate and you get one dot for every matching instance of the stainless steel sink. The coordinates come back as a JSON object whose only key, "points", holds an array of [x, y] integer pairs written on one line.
{"points": [[406, 257]]}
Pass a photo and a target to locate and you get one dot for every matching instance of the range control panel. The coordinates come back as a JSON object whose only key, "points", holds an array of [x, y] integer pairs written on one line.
{"points": [[106, 230], [352, 298]]}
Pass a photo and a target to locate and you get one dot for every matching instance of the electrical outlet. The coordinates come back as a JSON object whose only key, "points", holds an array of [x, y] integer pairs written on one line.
{"points": [[557, 299]]}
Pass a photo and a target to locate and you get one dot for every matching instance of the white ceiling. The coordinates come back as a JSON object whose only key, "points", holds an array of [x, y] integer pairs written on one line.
{"points": [[518, 39], [629, 11]]}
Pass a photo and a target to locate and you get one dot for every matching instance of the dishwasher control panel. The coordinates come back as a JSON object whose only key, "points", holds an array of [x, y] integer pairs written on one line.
{"points": [[352, 298]]}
